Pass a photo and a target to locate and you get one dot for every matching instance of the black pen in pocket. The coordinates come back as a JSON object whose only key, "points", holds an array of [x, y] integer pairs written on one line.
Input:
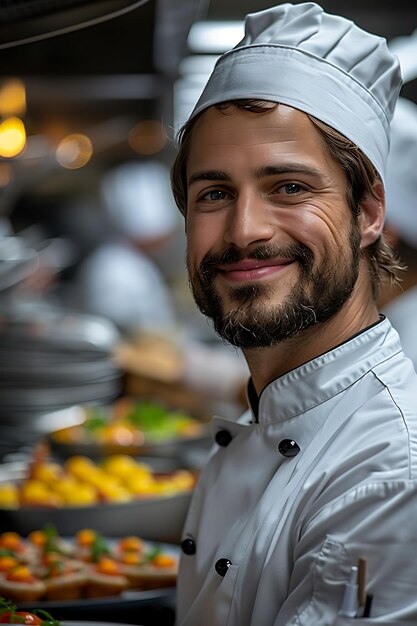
{"points": [[368, 605]]}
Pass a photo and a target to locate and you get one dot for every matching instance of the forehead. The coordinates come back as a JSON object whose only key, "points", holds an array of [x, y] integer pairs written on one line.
{"points": [[279, 132]]}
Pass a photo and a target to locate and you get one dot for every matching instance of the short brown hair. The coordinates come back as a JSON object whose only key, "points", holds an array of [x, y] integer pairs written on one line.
{"points": [[358, 169]]}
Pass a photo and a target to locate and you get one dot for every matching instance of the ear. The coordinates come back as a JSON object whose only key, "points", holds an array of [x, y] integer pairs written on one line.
{"points": [[371, 218]]}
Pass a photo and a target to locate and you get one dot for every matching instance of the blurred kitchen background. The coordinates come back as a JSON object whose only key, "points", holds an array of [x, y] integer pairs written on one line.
{"points": [[91, 96], [95, 308]]}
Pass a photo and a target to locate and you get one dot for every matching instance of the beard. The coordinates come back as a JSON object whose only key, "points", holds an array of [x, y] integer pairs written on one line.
{"points": [[317, 294]]}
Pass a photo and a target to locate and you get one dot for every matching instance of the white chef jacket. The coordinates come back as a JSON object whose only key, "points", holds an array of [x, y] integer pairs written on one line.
{"points": [[284, 531]]}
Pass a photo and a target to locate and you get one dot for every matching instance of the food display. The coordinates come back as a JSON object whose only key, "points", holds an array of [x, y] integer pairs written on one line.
{"points": [[118, 495], [81, 481], [129, 425], [44, 566]]}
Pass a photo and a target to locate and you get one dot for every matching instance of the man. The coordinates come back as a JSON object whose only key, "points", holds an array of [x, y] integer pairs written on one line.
{"points": [[399, 303], [280, 178]]}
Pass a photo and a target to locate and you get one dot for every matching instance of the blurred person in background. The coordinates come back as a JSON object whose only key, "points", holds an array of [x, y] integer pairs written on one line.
{"points": [[279, 176], [399, 301], [119, 279]]}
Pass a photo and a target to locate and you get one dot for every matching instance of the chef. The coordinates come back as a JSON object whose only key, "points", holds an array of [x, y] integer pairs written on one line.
{"points": [[306, 511]]}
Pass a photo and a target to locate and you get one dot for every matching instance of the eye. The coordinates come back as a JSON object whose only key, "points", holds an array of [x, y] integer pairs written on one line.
{"points": [[214, 195], [288, 192], [292, 188]]}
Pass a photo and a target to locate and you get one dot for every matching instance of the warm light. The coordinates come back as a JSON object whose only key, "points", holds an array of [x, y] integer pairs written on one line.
{"points": [[147, 137], [74, 151], [12, 98], [12, 137]]}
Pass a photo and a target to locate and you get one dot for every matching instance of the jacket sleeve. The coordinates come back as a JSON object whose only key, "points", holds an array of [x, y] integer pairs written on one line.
{"points": [[376, 522]]}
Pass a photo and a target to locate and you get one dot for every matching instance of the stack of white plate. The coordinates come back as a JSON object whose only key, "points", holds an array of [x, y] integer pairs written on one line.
{"points": [[51, 358], [17, 261]]}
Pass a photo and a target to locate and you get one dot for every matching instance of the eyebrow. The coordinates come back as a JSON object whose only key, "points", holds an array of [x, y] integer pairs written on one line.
{"points": [[208, 175], [288, 168], [262, 172]]}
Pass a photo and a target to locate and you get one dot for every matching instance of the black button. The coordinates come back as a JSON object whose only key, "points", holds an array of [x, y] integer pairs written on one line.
{"points": [[288, 447], [223, 438], [188, 546], [221, 567]]}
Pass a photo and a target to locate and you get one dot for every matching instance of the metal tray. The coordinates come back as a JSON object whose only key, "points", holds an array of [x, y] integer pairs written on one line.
{"points": [[156, 606]]}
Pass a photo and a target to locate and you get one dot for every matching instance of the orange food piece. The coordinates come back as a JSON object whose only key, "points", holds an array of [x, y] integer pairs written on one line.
{"points": [[21, 573], [38, 538], [131, 544], [108, 566], [130, 558], [85, 537], [164, 560], [11, 541], [7, 563]]}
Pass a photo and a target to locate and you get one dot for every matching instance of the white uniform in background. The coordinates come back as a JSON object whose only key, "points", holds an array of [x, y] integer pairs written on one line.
{"points": [[122, 284], [118, 280], [270, 538], [402, 313], [401, 203]]}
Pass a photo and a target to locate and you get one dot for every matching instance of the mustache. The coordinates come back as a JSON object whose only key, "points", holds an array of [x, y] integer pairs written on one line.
{"points": [[293, 252]]}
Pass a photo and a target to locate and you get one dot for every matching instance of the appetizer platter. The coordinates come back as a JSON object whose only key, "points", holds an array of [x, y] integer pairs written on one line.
{"points": [[46, 566], [132, 426], [45, 569]]}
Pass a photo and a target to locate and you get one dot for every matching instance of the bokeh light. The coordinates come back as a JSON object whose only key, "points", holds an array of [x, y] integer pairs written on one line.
{"points": [[74, 151], [12, 98], [12, 137], [147, 137]]}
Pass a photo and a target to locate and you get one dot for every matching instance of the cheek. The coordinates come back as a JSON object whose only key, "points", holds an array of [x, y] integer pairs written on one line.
{"points": [[320, 230], [204, 234]]}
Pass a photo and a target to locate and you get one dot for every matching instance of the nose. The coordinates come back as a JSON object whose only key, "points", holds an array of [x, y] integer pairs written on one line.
{"points": [[248, 221]]}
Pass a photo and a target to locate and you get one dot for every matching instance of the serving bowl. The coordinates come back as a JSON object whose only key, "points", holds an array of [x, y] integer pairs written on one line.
{"points": [[159, 519], [154, 516], [135, 426]]}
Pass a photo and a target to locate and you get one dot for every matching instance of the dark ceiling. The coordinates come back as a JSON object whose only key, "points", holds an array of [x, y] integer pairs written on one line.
{"points": [[128, 63], [113, 73], [118, 66]]}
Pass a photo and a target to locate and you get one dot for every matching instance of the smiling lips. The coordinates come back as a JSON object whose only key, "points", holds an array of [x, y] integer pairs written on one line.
{"points": [[251, 269]]}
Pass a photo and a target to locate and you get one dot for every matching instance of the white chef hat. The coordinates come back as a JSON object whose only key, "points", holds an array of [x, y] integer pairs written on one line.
{"points": [[322, 64], [401, 176], [138, 198]]}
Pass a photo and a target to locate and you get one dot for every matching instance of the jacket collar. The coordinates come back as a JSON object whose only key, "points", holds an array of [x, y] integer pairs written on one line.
{"points": [[318, 380]]}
